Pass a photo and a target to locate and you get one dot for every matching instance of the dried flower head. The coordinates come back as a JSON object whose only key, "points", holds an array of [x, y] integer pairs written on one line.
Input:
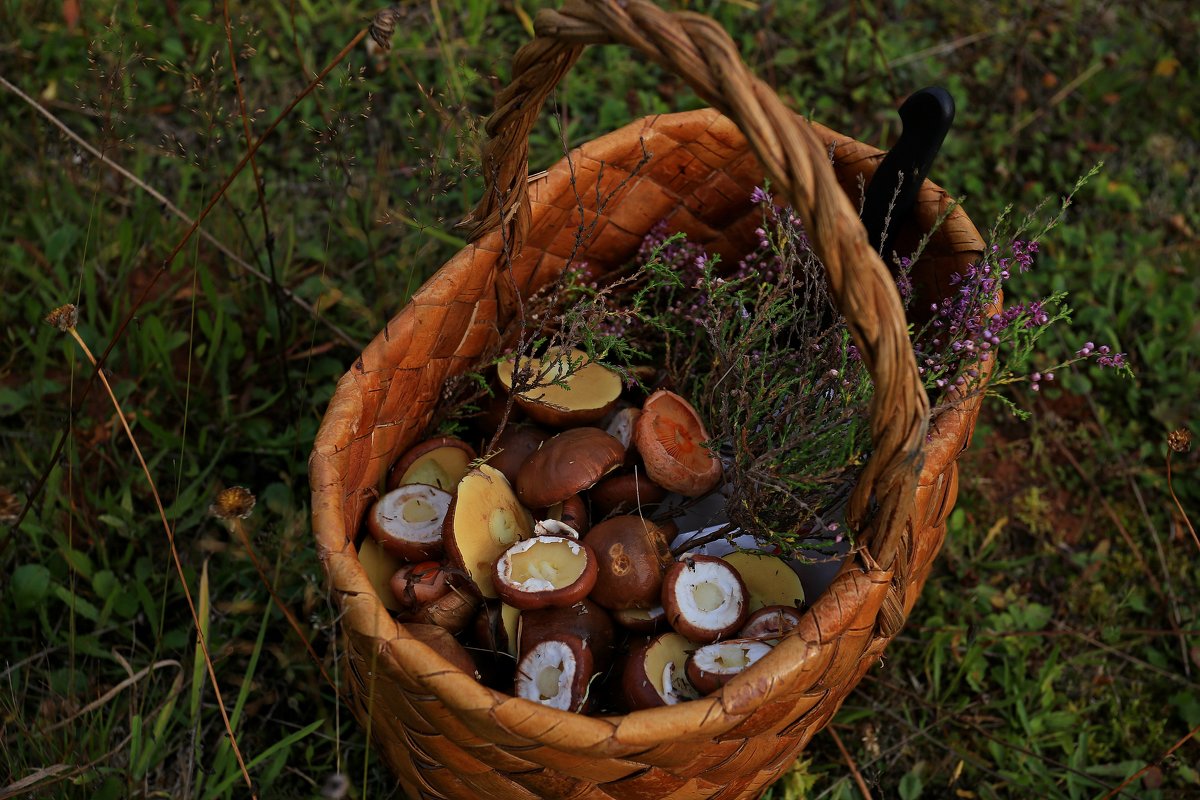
{"points": [[383, 26], [64, 317], [1180, 440], [10, 507], [236, 501]]}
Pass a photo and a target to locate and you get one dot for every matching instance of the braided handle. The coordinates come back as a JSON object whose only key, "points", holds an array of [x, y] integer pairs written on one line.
{"points": [[698, 50]]}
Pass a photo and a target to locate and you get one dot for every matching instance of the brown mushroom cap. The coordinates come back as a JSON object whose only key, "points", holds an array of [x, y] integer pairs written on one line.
{"points": [[670, 438], [407, 521], [440, 461], [516, 443], [705, 598], [484, 520], [545, 571], [567, 464], [589, 388], [632, 554], [414, 585], [625, 493]]}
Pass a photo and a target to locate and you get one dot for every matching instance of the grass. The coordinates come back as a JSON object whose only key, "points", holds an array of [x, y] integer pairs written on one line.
{"points": [[1056, 649]]}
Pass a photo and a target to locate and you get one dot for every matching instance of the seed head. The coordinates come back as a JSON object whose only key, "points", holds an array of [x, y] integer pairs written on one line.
{"points": [[64, 317], [236, 501], [1180, 440]]}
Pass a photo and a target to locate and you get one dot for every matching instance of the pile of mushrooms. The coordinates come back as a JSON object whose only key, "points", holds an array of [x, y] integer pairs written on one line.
{"points": [[543, 569]]}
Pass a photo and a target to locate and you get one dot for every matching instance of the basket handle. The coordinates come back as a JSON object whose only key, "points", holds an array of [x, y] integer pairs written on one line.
{"points": [[698, 50]]}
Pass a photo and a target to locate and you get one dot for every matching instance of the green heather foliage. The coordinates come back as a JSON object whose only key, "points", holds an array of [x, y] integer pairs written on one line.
{"points": [[1053, 653]]}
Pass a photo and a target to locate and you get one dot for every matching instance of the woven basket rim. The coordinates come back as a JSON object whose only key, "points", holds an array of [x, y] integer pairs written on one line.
{"points": [[706, 718]]}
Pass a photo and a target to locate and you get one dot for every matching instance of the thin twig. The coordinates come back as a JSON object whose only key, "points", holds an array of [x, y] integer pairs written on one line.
{"points": [[178, 212], [187, 592], [1171, 489], [858, 778], [111, 693], [1190, 734]]}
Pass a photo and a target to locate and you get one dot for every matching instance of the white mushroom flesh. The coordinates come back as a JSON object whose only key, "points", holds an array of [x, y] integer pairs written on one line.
{"points": [[546, 675], [554, 527], [413, 512], [707, 594], [729, 658]]}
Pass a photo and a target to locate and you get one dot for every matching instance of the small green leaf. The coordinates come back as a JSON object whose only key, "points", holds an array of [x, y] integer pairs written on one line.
{"points": [[911, 786], [30, 585]]}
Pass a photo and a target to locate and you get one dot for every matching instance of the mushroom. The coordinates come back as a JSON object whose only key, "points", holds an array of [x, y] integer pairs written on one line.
{"points": [[407, 521], [670, 438], [621, 426], [380, 566], [545, 571], [441, 462], [572, 511], [705, 598], [710, 667], [573, 391], [414, 585], [641, 620], [484, 520], [769, 580], [770, 622], [557, 673], [632, 555], [585, 619], [567, 464], [623, 493], [516, 443], [656, 673]]}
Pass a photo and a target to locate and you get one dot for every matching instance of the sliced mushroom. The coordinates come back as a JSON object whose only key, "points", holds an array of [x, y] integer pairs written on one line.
{"points": [[621, 426], [705, 598], [557, 673], [407, 521], [769, 580], [656, 673], [587, 392], [545, 571], [484, 520], [711, 666], [441, 462], [380, 566], [670, 438], [770, 622]]}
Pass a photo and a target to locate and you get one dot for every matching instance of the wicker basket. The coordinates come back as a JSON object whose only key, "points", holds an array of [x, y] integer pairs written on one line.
{"points": [[442, 733]]}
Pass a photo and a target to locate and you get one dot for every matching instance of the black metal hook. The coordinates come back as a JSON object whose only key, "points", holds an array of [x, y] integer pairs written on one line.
{"points": [[926, 116]]}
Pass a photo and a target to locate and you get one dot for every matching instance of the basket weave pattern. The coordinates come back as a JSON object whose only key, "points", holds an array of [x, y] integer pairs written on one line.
{"points": [[442, 733]]}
